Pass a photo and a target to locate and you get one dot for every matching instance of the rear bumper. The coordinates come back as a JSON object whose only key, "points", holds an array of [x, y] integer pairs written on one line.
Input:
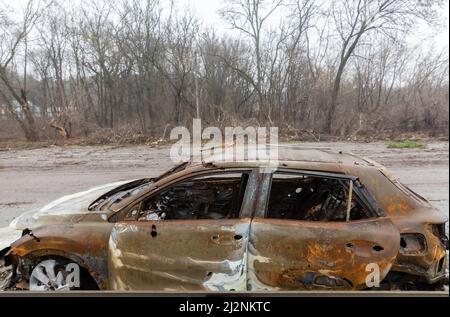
{"points": [[431, 272]]}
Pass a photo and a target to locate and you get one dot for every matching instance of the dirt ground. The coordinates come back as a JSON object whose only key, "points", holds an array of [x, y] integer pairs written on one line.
{"points": [[31, 178]]}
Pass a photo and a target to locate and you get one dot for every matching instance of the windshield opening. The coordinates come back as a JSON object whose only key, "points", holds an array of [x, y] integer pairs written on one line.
{"points": [[120, 193]]}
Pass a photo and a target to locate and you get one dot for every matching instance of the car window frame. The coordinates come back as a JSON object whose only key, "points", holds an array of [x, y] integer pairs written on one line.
{"points": [[153, 192], [359, 189]]}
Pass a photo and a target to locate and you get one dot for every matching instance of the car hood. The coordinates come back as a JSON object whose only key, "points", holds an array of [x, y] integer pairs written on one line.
{"points": [[67, 209], [70, 208]]}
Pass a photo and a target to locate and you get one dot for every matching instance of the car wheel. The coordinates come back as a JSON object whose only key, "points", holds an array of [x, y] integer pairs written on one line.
{"points": [[50, 275]]}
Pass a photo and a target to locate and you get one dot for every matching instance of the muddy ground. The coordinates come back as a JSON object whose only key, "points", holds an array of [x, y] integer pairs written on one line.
{"points": [[31, 178]]}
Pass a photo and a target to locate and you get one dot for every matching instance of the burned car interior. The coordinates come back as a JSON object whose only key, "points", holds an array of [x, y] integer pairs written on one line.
{"points": [[301, 197], [292, 196], [210, 197]]}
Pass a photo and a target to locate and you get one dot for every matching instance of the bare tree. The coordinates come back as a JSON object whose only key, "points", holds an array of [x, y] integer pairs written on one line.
{"points": [[249, 17], [116, 69], [356, 19], [14, 34]]}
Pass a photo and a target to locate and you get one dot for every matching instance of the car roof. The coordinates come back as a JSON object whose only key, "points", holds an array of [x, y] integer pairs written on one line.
{"points": [[282, 153]]}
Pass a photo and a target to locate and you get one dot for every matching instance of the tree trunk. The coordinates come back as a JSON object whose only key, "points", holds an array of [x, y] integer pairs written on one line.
{"points": [[333, 102]]}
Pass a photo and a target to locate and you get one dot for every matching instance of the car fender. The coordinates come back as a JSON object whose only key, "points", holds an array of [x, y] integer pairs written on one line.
{"points": [[81, 244]]}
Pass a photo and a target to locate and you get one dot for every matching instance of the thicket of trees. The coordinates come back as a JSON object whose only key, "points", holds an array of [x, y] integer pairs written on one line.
{"points": [[325, 66]]}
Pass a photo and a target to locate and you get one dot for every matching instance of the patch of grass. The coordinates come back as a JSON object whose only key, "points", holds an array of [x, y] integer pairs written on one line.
{"points": [[407, 144]]}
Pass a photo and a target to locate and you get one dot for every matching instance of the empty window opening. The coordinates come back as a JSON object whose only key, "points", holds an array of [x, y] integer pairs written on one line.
{"points": [[207, 197], [312, 198]]}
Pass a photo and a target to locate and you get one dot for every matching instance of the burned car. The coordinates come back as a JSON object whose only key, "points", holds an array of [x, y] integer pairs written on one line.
{"points": [[318, 220]]}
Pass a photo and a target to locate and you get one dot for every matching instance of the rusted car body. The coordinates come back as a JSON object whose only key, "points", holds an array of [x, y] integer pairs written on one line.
{"points": [[318, 220]]}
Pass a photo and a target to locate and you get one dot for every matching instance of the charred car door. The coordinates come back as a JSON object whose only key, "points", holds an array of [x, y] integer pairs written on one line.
{"points": [[319, 231], [190, 235]]}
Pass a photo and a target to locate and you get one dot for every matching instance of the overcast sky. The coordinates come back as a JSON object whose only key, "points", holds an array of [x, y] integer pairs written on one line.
{"points": [[207, 11]]}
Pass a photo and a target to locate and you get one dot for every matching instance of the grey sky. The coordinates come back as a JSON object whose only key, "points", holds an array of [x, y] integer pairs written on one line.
{"points": [[207, 11]]}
